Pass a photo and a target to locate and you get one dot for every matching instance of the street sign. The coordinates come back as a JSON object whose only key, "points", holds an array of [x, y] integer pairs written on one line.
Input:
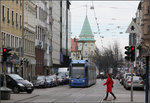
{"points": [[133, 28]]}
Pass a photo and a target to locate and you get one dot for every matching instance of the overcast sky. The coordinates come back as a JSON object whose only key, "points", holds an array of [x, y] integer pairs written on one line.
{"points": [[113, 18]]}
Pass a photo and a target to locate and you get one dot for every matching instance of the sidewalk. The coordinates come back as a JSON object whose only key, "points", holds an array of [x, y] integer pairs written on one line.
{"points": [[124, 96], [17, 98]]}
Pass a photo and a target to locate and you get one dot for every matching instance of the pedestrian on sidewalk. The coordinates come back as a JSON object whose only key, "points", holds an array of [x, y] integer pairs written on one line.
{"points": [[109, 84]]}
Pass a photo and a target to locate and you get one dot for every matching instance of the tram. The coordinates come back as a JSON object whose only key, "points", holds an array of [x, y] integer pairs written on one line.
{"points": [[82, 74]]}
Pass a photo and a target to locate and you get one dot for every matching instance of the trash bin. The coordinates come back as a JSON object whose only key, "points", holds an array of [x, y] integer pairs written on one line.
{"points": [[5, 93]]}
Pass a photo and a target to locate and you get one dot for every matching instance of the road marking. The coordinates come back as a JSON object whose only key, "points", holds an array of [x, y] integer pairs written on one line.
{"points": [[101, 101]]}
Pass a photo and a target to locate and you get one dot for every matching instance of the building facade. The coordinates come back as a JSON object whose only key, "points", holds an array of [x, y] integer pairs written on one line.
{"points": [[56, 34], [42, 38], [86, 42], [65, 31], [11, 31], [75, 53], [28, 39]]}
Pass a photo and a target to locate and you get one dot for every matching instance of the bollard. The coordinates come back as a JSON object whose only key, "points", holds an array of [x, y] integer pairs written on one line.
{"points": [[5, 93]]}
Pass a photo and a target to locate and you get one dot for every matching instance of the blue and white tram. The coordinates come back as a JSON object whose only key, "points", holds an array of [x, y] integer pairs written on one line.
{"points": [[82, 73]]}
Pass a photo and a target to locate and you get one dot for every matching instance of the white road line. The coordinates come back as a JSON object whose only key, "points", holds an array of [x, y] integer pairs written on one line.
{"points": [[101, 101]]}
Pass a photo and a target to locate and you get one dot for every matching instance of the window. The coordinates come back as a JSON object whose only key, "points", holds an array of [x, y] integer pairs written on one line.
{"points": [[8, 40], [16, 19], [149, 29], [3, 8], [8, 20], [16, 42], [12, 17], [36, 31], [3, 37], [20, 21], [16, 1], [12, 41], [20, 3], [149, 10]]}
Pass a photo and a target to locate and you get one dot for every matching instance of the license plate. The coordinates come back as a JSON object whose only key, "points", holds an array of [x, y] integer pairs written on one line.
{"points": [[29, 88]]}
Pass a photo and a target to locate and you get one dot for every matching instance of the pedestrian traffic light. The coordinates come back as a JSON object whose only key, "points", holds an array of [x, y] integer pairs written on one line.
{"points": [[127, 52], [6, 54], [132, 58]]}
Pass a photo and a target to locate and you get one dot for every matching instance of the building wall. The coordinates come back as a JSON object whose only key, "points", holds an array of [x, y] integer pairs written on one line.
{"points": [[42, 34], [145, 20], [39, 61], [29, 39], [56, 33], [11, 26], [87, 50]]}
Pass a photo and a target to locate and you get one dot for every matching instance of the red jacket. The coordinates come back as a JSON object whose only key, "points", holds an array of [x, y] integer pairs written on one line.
{"points": [[109, 84]]}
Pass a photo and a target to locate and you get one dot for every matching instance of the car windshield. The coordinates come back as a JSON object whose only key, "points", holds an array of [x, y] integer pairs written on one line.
{"points": [[16, 77], [40, 78], [78, 71]]}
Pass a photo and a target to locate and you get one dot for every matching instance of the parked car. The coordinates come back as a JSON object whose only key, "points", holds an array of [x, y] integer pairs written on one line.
{"points": [[63, 76], [49, 81], [125, 77], [54, 79], [138, 82], [60, 80], [40, 82], [17, 83]]}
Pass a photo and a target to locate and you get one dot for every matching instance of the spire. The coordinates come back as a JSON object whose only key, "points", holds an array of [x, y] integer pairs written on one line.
{"points": [[86, 9], [86, 32]]}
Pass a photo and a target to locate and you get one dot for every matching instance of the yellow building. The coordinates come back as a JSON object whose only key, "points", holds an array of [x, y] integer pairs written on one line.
{"points": [[11, 30]]}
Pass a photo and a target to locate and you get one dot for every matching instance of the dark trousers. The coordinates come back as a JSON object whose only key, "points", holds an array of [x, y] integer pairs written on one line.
{"points": [[111, 94]]}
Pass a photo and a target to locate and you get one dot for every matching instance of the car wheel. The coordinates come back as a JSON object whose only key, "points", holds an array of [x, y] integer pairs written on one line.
{"points": [[29, 91], [16, 89]]}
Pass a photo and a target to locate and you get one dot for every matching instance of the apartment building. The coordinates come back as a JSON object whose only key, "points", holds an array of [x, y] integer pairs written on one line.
{"points": [[28, 39], [11, 31]]}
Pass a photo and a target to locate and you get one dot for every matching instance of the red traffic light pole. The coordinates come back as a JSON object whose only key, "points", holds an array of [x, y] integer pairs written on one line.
{"points": [[5, 92]]}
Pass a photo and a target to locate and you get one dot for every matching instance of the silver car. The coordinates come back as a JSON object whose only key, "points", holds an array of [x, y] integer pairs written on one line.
{"points": [[138, 82]]}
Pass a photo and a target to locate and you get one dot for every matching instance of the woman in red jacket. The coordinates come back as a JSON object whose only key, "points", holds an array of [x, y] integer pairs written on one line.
{"points": [[109, 84]]}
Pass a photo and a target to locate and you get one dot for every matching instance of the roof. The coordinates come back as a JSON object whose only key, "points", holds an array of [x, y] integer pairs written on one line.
{"points": [[86, 32], [86, 39], [86, 29]]}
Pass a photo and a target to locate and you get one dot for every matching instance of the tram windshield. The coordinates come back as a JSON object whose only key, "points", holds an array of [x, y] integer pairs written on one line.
{"points": [[78, 71]]}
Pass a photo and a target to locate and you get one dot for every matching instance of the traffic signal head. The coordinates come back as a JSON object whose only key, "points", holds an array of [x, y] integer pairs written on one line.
{"points": [[127, 52], [132, 53], [21, 62], [6, 53]]}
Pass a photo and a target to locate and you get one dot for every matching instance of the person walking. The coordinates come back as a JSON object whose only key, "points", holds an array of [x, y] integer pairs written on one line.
{"points": [[109, 84]]}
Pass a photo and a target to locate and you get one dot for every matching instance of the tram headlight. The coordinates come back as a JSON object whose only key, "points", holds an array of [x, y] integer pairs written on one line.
{"points": [[72, 80], [83, 80]]}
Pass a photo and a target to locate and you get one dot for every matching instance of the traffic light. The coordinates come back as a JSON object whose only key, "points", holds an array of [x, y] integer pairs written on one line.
{"points": [[21, 62], [127, 52], [6, 54], [132, 58]]}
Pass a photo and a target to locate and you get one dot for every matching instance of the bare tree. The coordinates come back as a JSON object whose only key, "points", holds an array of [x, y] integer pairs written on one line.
{"points": [[110, 57]]}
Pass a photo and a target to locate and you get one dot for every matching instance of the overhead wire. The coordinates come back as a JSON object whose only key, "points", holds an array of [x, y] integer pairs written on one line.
{"points": [[97, 24]]}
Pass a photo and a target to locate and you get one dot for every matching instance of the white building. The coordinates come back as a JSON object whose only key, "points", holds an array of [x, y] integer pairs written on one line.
{"points": [[28, 38], [56, 34], [42, 43]]}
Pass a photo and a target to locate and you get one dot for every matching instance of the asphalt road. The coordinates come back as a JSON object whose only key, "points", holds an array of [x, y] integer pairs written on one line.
{"points": [[92, 94]]}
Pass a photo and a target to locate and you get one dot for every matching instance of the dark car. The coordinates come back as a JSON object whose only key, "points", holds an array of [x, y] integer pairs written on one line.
{"points": [[40, 82], [17, 83]]}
